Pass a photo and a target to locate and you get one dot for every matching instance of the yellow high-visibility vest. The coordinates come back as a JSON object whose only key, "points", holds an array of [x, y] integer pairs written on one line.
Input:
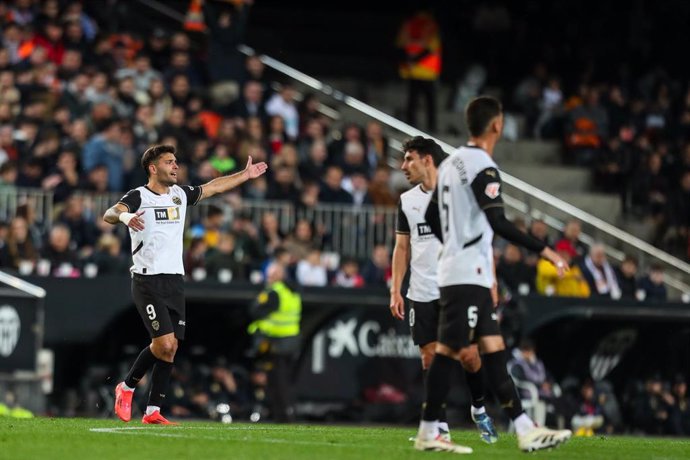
{"points": [[283, 322]]}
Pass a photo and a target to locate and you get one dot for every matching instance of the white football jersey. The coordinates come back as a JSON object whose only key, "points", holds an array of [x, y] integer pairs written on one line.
{"points": [[158, 248], [425, 246], [468, 183]]}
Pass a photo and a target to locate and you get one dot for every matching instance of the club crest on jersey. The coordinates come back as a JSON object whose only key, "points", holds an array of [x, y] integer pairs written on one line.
{"points": [[492, 189], [155, 325], [167, 214], [177, 200]]}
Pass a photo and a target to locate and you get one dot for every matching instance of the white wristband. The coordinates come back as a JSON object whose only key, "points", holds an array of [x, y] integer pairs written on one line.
{"points": [[125, 217]]}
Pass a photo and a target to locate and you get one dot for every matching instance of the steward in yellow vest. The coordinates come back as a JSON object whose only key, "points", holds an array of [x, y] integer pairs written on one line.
{"points": [[276, 315]]}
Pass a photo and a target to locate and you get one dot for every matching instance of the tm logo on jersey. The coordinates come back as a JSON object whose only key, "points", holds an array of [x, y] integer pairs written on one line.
{"points": [[424, 229], [167, 214]]}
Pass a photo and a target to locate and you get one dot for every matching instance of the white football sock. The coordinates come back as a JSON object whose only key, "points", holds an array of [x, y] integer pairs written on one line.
{"points": [[523, 424], [428, 430], [151, 409]]}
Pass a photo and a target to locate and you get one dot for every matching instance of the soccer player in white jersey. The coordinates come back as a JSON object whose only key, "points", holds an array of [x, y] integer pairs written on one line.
{"points": [[155, 215], [416, 245], [465, 211]]}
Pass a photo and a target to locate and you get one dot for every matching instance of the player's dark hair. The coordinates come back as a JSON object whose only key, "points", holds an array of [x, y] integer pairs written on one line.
{"points": [[152, 154], [479, 113], [425, 146]]}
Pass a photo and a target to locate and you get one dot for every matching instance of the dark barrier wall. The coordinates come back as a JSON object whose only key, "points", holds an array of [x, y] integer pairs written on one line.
{"points": [[354, 349], [20, 331]]}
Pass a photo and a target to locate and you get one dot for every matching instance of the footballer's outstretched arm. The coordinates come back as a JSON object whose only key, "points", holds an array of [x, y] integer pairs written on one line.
{"points": [[487, 191], [225, 183]]}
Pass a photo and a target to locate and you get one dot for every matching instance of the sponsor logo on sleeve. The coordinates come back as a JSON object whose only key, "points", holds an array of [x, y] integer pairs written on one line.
{"points": [[492, 189]]}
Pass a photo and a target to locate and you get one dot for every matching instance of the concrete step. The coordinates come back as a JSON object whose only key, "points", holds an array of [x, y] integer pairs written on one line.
{"points": [[551, 178], [604, 206]]}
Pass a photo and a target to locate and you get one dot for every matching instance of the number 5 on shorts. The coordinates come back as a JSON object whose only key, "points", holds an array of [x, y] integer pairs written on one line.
{"points": [[472, 317], [152, 312]]}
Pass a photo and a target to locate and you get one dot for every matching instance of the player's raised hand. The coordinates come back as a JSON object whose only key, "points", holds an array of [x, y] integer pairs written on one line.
{"points": [[133, 220], [255, 170], [397, 306], [553, 257]]}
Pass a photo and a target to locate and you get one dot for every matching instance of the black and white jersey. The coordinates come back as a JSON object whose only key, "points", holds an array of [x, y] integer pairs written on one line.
{"points": [[468, 183], [425, 246], [158, 248]]}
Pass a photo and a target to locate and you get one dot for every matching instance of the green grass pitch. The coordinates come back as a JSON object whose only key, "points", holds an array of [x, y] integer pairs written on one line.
{"points": [[45, 438]]}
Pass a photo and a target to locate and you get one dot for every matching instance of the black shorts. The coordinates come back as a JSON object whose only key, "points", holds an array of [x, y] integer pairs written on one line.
{"points": [[423, 319], [467, 313], [160, 303]]}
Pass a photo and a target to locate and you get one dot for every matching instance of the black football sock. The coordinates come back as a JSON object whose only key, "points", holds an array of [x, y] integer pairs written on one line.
{"points": [[475, 380], [141, 365], [437, 386], [442, 417], [501, 383], [159, 382]]}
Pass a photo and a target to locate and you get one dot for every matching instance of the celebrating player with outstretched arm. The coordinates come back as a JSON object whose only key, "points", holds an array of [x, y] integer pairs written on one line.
{"points": [[155, 214]]}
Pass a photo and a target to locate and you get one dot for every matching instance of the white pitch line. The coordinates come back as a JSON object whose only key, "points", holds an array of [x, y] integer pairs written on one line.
{"points": [[151, 431]]}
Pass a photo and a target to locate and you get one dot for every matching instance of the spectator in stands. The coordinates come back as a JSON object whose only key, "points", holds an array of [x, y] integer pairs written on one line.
{"points": [[83, 230], [301, 240], [108, 256], [377, 271], [332, 190], [351, 133], [348, 275], [106, 149], [599, 274], [283, 104], [251, 103], [247, 245], [539, 230], [571, 236], [227, 28], [571, 284], [516, 275], [379, 188], [195, 259], [587, 127], [551, 108], [676, 224], [589, 415], [651, 407], [65, 179], [222, 261], [526, 366], [627, 277], [376, 145], [283, 185], [650, 189], [141, 72], [8, 174], [357, 186], [27, 211], [653, 285], [19, 252], [311, 271], [313, 167], [276, 136], [270, 236], [63, 260], [680, 411]]}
